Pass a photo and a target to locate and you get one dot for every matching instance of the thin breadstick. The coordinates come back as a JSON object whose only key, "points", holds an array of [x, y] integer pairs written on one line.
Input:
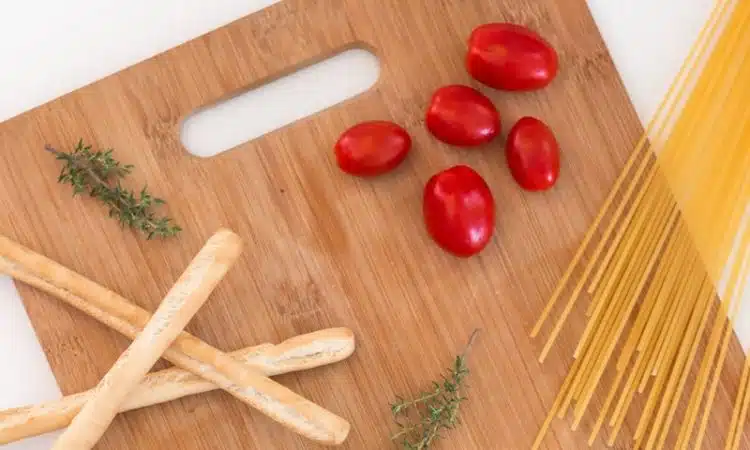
{"points": [[179, 306], [187, 351], [299, 353]]}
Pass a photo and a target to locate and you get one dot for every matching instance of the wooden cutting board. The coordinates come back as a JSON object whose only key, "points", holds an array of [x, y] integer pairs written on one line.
{"points": [[324, 249]]}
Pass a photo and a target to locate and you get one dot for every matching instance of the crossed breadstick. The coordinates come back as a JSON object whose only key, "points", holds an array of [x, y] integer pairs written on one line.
{"points": [[298, 353], [161, 336]]}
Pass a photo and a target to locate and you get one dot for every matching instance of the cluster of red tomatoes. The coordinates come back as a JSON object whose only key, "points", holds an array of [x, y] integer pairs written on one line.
{"points": [[458, 206]]}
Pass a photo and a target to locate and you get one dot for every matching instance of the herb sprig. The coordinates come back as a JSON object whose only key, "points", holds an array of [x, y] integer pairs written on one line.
{"points": [[99, 174], [422, 419]]}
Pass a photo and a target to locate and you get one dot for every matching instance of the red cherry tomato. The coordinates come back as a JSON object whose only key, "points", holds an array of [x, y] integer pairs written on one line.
{"points": [[462, 116], [510, 57], [459, 210], [372, 148], [533, 154]]}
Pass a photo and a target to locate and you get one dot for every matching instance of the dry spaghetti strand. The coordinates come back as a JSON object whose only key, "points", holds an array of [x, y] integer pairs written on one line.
{"points": [[617, 329], [705, 301], [739, 414], [739, 271], [670, 349], [675, 235], [650, 310], [667, 107]]}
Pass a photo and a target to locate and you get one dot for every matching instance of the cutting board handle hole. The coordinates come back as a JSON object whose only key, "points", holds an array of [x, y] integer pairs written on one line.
{"points": [[278, 103]]}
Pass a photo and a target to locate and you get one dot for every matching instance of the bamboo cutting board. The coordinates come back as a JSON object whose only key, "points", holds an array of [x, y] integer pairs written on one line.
{"points": [[323, 249]]}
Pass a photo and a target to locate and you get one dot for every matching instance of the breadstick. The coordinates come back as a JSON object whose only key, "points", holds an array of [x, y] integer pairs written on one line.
{"points": [[187, 351], [299, 353], [179, 306]]}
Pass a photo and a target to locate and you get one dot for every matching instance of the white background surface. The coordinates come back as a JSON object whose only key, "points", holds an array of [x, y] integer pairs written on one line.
{"points": [[49, 48]]}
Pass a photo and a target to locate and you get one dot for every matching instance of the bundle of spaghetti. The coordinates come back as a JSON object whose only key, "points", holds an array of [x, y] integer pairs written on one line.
{"points": [[665, 263]]}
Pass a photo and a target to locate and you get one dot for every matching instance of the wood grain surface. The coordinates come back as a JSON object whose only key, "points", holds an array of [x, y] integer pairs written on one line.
{"points": [[323, 249]]}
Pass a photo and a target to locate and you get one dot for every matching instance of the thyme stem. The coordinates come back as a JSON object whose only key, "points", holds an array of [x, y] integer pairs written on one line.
{"points": [[432, 411], [100, 174]]}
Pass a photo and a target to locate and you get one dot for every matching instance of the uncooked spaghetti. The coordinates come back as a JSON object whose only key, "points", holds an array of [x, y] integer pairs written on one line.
{"points": [[671, 237]]}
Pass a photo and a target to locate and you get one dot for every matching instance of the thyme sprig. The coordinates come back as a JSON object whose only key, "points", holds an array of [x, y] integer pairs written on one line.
{"points": [[99, 174], [422, 419]]}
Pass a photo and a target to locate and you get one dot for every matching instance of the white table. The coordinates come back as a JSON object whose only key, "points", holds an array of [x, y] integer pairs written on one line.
{"points": [[50, 48]]}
